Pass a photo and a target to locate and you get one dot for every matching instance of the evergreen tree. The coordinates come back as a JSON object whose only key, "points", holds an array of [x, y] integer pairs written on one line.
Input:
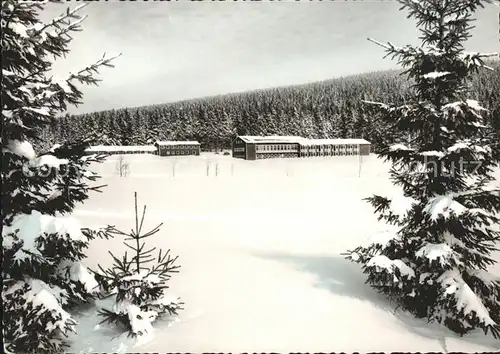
{"points": [[124, 130], [139, 133], [434, 262], [91, 126], [321, 125], [272, 122], [42, 275], [193, 132], [307, 127], [64, 124], [154, 127], [114, 137], [139, 286], [359, 125]]}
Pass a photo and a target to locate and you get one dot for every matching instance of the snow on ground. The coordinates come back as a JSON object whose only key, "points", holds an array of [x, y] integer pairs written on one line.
{"points": [[259, 246]]}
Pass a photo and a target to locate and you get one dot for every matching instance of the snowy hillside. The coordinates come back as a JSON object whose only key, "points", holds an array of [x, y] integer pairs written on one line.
{"points": [[259, 246]]}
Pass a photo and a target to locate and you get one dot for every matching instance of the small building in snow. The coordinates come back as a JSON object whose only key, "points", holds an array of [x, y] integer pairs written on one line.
{"points": [[120, 150], [265, 147], [177, 148]]}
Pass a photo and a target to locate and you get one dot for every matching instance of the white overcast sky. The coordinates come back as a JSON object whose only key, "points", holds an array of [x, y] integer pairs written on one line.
{"points": [[180, 50]]}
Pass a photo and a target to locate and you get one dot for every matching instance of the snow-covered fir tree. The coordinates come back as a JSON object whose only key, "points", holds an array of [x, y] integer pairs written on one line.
{"points": [[434, 259], [139, 282], [42, 246]]}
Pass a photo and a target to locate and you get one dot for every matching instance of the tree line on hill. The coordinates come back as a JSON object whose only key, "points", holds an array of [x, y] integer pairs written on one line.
{"points": [[328, 109]]}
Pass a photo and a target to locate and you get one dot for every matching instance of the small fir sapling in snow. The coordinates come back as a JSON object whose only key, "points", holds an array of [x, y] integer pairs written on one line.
{"points": [[42, 249], [139, 282], [434, 262]]}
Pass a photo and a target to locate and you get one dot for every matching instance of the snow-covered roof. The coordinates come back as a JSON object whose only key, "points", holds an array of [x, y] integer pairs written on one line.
{"points": [[114, 148], [269, 139], [333, 141], [300, 140], [164, 143]]}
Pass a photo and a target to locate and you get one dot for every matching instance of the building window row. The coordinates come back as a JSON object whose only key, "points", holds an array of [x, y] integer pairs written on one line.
{"points": [[332, 147], [328, 153], [176, 147], [321, 150], [123, 152], [239, 149], [277, 147], [183, 152], [292, 147]]}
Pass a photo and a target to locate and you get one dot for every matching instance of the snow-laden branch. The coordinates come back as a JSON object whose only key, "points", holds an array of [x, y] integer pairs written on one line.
{"points": [[60, 20], [440, 252], [446, 205], [85, 75], [433, 75], [382, 105], [383, 263], [20, 148], [389, 46], [469, 58], [466, 300], [48, 298], [29, 227], [71, 26], [475, 59]]}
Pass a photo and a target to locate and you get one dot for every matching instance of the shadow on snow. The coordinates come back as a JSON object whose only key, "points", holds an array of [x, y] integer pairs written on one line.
{"points": [[345, 278]]}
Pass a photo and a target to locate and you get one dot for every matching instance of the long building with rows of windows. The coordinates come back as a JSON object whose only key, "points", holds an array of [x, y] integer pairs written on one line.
{"points": [[177, 148], [266, 147], [162, 148], [120, 150]]}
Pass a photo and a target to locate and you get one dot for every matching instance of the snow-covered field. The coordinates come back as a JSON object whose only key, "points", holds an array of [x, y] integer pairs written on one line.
{"points": [[259, 246]]}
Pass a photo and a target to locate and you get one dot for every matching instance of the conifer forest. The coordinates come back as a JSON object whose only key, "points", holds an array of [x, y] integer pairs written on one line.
{"points": [[332, 108]]}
